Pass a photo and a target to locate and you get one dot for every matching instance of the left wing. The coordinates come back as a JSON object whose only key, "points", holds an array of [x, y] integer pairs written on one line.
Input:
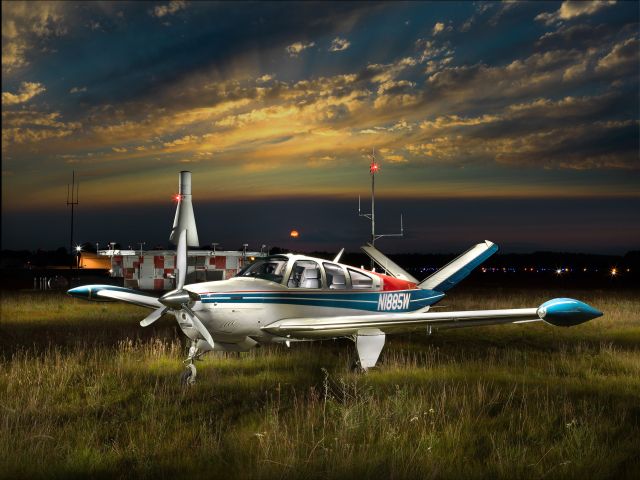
{"points": [[111, 292], [563, 312]]}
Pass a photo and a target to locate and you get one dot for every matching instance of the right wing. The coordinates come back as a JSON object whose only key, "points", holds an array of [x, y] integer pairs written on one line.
{"points": [[559, 312]]}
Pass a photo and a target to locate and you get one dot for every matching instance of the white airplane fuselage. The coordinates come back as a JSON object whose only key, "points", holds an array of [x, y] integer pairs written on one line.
{"points": [[240, 307]]}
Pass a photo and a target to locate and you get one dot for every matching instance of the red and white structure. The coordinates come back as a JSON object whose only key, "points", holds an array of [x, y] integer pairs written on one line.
{"points": [[155, 269]]}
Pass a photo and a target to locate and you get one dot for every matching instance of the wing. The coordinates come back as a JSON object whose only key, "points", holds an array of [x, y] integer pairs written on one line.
{"points": [[558, 312], [111, 292]]}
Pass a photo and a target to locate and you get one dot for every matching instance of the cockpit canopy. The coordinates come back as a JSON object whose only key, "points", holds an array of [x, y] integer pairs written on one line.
{"points": [[309, 273]]}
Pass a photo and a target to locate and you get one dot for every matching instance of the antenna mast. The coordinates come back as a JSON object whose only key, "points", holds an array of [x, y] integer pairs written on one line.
{"points": [[373, 169], [72, 199]]}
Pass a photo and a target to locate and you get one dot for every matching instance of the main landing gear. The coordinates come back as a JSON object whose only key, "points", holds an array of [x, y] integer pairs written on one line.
{"points": [[356, 367]]}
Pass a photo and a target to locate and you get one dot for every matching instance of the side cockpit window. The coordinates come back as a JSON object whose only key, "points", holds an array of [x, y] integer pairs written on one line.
{"points": [[336, 278], [360, 280], [267, 268], [305, 274]]}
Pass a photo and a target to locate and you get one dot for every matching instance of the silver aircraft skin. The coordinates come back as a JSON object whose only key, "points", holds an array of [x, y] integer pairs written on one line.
{"points": [[288, 298]]}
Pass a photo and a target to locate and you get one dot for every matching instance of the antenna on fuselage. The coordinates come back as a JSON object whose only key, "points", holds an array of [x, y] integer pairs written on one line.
{"points": [[373, 169]]}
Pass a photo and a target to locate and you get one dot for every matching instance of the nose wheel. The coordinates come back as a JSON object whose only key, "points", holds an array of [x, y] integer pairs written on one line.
{"points": [[188, 376]]}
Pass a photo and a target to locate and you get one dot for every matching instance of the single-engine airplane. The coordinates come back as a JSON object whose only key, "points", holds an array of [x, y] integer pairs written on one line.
{"points": [[287, 298]]}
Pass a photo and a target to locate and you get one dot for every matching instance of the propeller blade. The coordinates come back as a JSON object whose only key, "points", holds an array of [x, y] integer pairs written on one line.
{"points": [[199, 325], [181, 259], [153, 316]]}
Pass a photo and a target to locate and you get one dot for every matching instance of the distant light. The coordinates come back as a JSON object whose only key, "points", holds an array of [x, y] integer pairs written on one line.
{"points": [[252, 258], [176, 197], [78, 248], [294, 234], [373, 168], [614, 271], [559, 271]]}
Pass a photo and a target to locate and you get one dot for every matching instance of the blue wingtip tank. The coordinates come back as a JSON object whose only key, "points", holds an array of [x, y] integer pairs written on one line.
{"points": [[566, 312]]}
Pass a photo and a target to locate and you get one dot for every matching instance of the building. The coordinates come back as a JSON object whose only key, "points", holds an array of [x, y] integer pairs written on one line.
{"points": [[155, 269]]}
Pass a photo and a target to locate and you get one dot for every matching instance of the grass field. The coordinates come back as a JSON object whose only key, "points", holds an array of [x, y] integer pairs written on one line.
{"points": [[86, 392]]}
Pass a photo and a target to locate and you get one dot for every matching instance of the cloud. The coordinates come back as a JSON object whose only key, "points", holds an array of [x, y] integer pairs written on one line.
{"points": [[27, 91], [573, 9], [564, 134], [27, 26], [264, 78], [622, 59], [321, 161], [439, 27], [31, 126], [296, 48], [186, 140], [171, 8], [78, 90], [339, 44], [577, 36], [431, 49]]}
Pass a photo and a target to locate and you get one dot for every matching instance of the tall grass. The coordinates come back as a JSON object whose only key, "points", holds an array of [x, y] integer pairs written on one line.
{"points": [[84, 391]]}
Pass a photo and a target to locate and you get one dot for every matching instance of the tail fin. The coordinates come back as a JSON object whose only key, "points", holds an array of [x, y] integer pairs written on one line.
{"points": [[458, 269], [385, 262]]}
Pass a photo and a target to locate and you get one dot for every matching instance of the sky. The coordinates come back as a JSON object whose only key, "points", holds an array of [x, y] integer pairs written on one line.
{"points": [[512, 121]]}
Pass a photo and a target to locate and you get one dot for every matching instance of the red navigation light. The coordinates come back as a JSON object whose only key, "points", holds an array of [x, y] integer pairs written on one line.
{"points": [[176, 197], [294, 234], [373, 168]]}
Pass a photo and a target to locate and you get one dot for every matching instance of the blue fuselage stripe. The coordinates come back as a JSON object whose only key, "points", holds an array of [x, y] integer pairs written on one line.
{"points": [[399, 301]]}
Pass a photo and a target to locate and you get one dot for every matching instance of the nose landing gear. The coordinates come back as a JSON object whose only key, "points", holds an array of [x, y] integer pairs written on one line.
{"points": [[188, 376]]}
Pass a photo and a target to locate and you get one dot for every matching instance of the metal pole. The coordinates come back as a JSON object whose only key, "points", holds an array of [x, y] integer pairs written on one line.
{"points": [[73, 181], [72, 199], [373, 206]]}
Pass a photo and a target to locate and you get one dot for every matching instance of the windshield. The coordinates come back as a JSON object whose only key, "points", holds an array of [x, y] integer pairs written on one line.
{"points": [[268, 268]]}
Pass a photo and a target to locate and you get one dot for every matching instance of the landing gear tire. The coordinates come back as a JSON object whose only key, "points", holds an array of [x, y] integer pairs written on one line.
{"points": [[188, 377]]}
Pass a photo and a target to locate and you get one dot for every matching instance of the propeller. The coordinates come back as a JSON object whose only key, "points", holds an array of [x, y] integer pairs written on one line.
{"points": [[177, 301]]}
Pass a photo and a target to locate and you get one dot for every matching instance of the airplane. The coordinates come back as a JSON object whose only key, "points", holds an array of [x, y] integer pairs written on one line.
{"points": [[289, 297]]}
